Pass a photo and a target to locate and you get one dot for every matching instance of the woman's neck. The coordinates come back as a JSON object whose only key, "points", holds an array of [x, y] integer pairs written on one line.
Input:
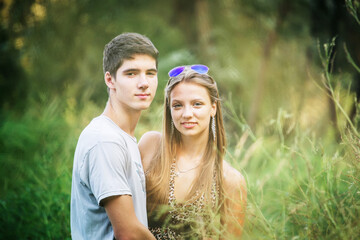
{"points": [[192, 148]]}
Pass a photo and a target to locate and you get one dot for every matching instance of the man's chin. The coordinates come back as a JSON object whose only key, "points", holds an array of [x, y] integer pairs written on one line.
{"points": [[143, 107]]}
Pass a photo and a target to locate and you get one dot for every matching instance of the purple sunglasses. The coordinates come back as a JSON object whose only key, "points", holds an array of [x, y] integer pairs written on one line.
{"points": [[202, 69]]}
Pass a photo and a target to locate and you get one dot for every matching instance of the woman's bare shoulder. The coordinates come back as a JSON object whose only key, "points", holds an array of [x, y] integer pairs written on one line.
{"points": [[149, 136], [235, 197], [149, 146], [233, 179]]}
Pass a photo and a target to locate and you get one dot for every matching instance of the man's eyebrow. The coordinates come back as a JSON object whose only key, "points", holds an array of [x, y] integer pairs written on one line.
{"points": [[138, 70], [152, 70], [131, 70]]}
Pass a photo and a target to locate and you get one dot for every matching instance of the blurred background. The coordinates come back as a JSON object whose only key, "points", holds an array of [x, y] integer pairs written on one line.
{"points": [[289, 79]]}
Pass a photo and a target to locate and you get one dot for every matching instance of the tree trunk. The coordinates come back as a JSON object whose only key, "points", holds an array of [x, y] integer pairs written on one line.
{"points": [[203, 28], [184, 18], [261, 78]]}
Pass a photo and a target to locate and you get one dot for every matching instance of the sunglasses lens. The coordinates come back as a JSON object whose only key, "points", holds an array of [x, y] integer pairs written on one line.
{"points": [[176, 71], [202, 69]]}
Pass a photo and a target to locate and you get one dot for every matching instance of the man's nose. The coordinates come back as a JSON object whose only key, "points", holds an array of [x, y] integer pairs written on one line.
{"points": [[143, 81]]}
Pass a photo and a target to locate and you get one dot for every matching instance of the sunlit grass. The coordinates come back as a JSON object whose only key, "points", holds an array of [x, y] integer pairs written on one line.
{"points": [[301, 185], [303, 182]]}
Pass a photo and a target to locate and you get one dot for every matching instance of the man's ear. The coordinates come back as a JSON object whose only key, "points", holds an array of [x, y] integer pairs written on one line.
{"points": [[109, 80]]}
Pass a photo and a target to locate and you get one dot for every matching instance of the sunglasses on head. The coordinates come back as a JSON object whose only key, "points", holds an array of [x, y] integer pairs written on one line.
{"points": [[202, 69]]}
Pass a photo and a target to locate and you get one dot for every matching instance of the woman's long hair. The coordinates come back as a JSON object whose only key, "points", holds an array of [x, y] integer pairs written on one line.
{"points": [[159, 172]]}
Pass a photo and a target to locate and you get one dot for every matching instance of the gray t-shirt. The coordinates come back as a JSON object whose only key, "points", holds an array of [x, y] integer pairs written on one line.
{"points": [[106, 163]]}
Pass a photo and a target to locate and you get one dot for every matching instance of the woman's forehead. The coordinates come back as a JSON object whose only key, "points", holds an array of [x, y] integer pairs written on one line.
{"points": [[189, 90]]}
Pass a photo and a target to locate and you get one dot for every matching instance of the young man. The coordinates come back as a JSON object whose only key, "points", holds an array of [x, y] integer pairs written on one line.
{"points": [[108, 197]]}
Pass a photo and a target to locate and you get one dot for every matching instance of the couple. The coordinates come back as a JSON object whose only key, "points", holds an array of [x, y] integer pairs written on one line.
{"points": [[190, 190]]}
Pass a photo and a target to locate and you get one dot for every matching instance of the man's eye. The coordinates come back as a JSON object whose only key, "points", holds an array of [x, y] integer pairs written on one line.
{"points": [[130, 74]]}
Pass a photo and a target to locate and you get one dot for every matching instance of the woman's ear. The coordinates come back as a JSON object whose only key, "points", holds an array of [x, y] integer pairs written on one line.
{"points": [[213, 109]]}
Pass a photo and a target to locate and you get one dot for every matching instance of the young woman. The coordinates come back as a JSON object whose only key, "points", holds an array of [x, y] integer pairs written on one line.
{"points": [[192, 193]]}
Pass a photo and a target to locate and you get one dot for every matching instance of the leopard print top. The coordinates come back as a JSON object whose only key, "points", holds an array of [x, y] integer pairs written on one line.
{"points": [[183, 220]]}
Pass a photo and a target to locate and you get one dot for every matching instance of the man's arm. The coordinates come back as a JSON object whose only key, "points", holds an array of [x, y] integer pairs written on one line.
{"points": [[126, 226]]}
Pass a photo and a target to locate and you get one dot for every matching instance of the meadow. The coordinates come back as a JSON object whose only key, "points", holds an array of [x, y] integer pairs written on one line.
{"points": [[300, 185], [300, 152]]}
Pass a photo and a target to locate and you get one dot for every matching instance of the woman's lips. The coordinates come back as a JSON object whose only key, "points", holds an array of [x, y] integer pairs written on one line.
{"points": [[189, 124]]}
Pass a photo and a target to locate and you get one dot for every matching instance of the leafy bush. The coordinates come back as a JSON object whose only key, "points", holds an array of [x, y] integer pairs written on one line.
{"points": [[36, 158]]}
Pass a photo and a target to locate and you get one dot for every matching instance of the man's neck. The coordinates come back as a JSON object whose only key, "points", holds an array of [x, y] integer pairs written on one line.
{"points": [[126, 119]]}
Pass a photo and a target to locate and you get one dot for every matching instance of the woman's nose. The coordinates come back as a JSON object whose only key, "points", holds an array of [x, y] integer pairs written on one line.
{"points": [[187, 112]]}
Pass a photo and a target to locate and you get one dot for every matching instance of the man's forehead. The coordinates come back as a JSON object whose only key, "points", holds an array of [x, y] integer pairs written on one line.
{"points": [[139, 61]]}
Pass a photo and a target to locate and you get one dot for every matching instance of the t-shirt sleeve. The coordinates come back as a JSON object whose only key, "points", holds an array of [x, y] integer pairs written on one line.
{"points": [[108, 162]]}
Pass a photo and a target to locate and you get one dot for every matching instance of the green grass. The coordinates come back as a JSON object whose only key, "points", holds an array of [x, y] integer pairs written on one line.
{"points": [[310, 191], [36, 159], [300, 185]]}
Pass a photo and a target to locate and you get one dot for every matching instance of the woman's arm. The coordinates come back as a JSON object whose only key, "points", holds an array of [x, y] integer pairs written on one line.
{"points": [[149, 146], [235, 202]]}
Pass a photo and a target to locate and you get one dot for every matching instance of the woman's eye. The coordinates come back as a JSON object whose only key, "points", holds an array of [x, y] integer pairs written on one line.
{"points": [[197, 104], [176, 105]]}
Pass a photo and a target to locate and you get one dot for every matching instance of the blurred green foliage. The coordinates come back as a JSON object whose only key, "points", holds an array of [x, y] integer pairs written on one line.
{"points": [[290, 139]]}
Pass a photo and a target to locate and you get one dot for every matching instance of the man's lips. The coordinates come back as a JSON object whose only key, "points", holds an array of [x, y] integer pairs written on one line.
{"points": [[142, 95]]}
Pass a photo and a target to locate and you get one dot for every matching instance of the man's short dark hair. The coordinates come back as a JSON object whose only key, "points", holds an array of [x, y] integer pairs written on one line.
{"points": [[123, 47]]}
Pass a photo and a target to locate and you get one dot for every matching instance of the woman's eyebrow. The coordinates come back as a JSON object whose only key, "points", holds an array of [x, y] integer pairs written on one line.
{"points": [[192, 100], [197, 99]]}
